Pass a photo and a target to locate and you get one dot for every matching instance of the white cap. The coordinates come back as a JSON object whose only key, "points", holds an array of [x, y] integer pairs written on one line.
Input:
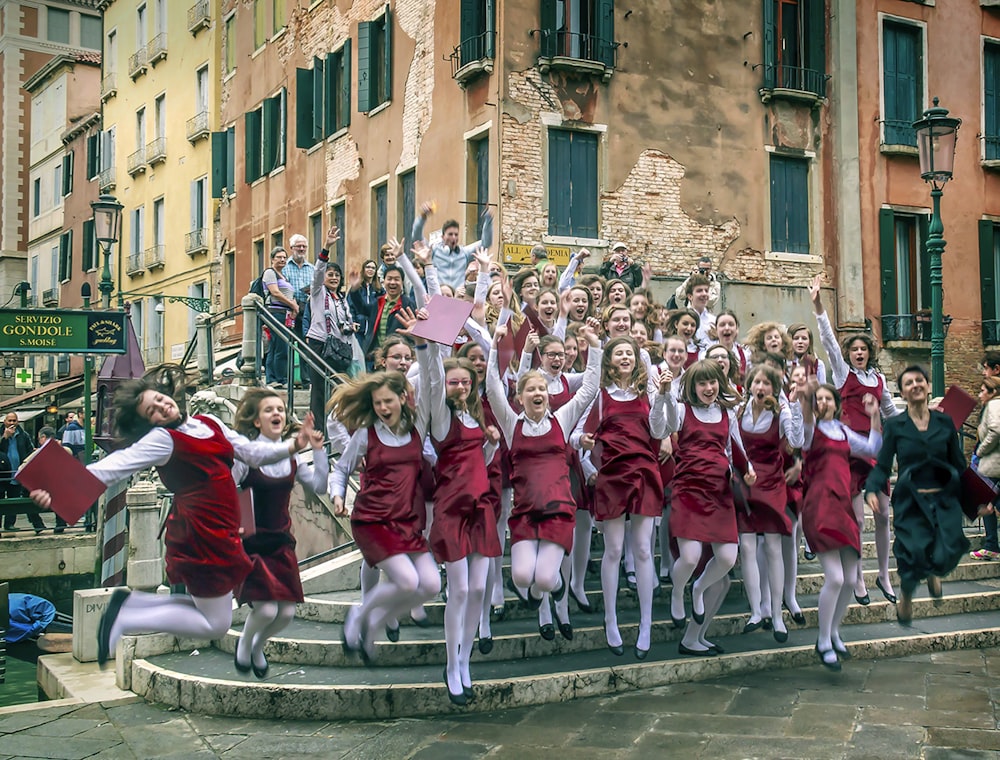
{"points": [[619, 245], [296, 239]]}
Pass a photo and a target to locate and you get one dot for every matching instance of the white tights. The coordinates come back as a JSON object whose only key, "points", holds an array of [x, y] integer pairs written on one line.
{"points": [[265, 620], [839, 567], [666, 558], [775, 569], [882, 541], [494, 576], [195, 617], [790, 557], [614, 538], [694, 633], [582, 533], [535, 565], [723, 559], [466, 590]]}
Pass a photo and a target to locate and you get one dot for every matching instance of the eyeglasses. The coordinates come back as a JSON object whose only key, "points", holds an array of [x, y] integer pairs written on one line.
{"points": [[555, 354], [399, 358], [459, 383]]}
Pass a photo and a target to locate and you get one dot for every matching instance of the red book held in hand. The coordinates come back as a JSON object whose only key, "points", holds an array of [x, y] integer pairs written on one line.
{"points": [[73, 489], [957, 404]]}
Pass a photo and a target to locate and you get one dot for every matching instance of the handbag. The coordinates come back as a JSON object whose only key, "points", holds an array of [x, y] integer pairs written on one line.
{"points": [[336, 352]]}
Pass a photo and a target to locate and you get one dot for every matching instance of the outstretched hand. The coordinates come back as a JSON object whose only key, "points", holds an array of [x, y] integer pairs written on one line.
{"points": [[332, 236], [421, 253], [483, 257], [499, 334], [304, 438], [815, 293]]}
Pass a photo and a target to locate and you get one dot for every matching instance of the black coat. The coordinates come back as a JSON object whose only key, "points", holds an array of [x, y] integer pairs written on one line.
{"points": [[24, 447]]}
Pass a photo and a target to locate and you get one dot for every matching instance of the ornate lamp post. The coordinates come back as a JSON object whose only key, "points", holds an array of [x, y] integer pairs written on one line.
{"points": [[936, 136], [107, 230]]}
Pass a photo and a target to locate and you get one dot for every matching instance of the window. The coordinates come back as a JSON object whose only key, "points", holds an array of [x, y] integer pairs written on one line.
{"points": [[794, 45], [277, 16], [154, 341], [265, 137], [67, 173], [229, 32], [54, 267], [902, 81], [224, 162], [201, 90], [160, 15], [259, 30], [905, 271], [137, 231], [478, 182], [258, 256], [159, 222], [323, 97], [989, 269], [572, 183], [140, 128], [198, 204], [374, 62], [57, 185], [141, 35], [478, 31], [317, 237], [230, 272], [90, 33], [197, 290], [406, 207], [135, 312], [277, 239], [340, 220], [36, 197], [579, 29], [111, 54], [789, 204], [88, 246], [160, 115], [380, 215], [991, 101], [66, 256], [58, 25]]}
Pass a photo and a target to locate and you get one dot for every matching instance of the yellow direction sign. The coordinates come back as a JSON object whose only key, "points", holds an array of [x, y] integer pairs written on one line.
{"points": [[517, 253]]}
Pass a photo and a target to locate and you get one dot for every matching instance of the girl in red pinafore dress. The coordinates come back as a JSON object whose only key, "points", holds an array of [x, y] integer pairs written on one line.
{"points": [[194, 458], [674, 359], [463, 533], [386, 524], [827, 515], [854, 373], [702, 511], [792, 466], [628, 429], [541, 523], [273, 586], [764, 423]]}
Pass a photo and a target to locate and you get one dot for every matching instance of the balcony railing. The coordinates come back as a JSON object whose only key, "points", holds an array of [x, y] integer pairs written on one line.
{"points": [[137, 63], [155, 256], [991, 147], [795, 78], [156, 151], [109, 86], [134, 264], [106, 179], [899, 132], [991, 332], [196, 241], [911, 327], [157, 48], [50, 297], [577, 51], [197, 126], [198, 16], [136, 162], [474, 55]]}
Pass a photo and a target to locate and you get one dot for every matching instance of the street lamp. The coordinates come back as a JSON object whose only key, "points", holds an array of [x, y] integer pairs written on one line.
{"points": [[936, 136], [107, 230]]}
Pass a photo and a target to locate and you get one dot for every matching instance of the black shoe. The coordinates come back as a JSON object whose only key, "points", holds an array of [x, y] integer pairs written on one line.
{"points": [[681, 649], [547, 631], [261, 672], [558, 594], [467, 691], [891, 598], [766, 624], [716, 648], [456, 699], [842, 652], [240, 667], [664, 579], [498, 612], [780, 636], [58, 531], [641, 654], [809, 556], [485, 644], [512, 587], [752, 626], [617, 651], [630, 581], [834, 666], [392, 634], [934, 587], [679, 623], [118, 598], [565, 629], [698, 617], [423, 622], [583, 606], [864, 601]]}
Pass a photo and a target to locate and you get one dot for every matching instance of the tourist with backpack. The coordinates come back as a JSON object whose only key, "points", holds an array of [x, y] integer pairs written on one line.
{"points": [[280, 301]]}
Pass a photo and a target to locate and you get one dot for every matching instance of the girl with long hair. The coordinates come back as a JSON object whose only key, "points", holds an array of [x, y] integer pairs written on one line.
{"points": [[597, 287], [769, 338], [685, 323], [727, 333], [363, 299], [804, 350], [526, 286], [273, 587]]}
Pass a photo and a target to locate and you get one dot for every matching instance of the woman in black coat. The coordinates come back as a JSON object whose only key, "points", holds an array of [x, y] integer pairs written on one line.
{"points": [[363, 300]]}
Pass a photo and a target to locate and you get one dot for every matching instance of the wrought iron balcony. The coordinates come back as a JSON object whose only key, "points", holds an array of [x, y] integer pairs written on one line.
{"points": [[157, 48], [137, 63], [991, 332], [156, 151], [109, 86], [196, 241], [198, 16], [106, 179], [197, 127], [155, 256], [911, 327], [136, 162], [133, 266]]}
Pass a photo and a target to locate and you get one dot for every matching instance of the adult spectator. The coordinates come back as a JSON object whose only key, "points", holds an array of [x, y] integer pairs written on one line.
{"points": [[698, 294], [363, 299], [389, 304], [387, 258], [448, 256], [539, 257], [45, 434], [703, 269], [283, 307], [990, 364], [299, 272], [621, 266], [14, 449], [72, 435]]}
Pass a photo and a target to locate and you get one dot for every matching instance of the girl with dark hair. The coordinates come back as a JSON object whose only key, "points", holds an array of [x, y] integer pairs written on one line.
{"points": [[273, 587], [526, 286], [854, 373], [363, 298], [194, 458], [685, 322], [727, 331], [827, 516], [804, 350], [597, 286]]}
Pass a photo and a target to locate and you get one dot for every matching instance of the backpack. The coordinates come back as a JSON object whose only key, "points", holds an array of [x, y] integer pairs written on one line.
{"points": [[257, 287]]}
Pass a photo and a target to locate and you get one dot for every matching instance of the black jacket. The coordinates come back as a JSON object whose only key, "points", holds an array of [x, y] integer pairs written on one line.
{"points": [[24, 447]]}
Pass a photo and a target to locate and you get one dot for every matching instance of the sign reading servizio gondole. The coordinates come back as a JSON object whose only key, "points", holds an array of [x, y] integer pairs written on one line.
{"points": [[52, 331]]}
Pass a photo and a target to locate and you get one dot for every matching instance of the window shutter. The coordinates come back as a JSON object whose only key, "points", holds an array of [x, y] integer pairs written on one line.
{"points": [[67, 173], [923, 222], [231, 160], [560, 170], [194, 224], [87, 245], [583, 213], [987, 270], [364, 66], [93, 155], [816, 45], [345, 85], [491, 28], [797, 205], [252, 145], [387, 50], [282, 101], [219, 162], [550, 42], [991, 101], [469, 44], [318, 99], [606, 32], [69, 253], [887, 257], [304, 108], [770, 46], [331, 98], [779, 209], [269, 135]]}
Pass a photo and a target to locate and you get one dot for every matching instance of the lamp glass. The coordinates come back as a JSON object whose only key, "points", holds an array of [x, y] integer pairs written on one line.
{"points": [[107, 219], [936, 148]]}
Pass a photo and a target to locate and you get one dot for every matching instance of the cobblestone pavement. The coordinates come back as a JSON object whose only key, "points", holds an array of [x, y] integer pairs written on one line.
{"points": [[932, 706]]}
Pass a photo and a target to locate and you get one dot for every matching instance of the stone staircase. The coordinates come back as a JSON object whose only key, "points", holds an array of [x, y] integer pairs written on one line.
{"points": [[311, 677]]}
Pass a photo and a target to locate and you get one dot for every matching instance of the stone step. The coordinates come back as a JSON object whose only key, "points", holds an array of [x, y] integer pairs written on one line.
{"points": [[208, 684]]}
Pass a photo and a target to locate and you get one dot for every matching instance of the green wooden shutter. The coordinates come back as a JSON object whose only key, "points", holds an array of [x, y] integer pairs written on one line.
{"points": [[219, 162], [93, 155], [345, 86], [583, 184], [887, 258], [365, 100], [923, 222], [491, 28], [67, 174], [816, 47], [902, 63], [987, 270], [252, 145], [318, 99], [387, 57], [797, 204], [770, 46], [991, 98], [779, 207], [270, 115], [305, 105], [560, 157], [550, 42], [87, 245], [470, 27], [231, 159], [605, 26], [331, 69]]}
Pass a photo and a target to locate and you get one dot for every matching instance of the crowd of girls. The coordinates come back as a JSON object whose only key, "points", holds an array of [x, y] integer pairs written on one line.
{"points": [[658, 427]]}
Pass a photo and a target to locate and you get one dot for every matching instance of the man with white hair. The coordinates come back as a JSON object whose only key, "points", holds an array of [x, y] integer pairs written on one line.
{"points": [[299, 272]]}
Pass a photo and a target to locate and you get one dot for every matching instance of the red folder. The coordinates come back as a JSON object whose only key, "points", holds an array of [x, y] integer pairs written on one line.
{"points": [[510, 345], [71, 485], [445, 320], [976, 491], [248, 520], [957, 404]]}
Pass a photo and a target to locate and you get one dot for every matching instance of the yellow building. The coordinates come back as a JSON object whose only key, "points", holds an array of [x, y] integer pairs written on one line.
{"points": [[161, 71]]}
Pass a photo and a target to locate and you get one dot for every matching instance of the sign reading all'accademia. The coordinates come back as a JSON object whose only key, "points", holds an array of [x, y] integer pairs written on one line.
{"points": [[53, 331]]}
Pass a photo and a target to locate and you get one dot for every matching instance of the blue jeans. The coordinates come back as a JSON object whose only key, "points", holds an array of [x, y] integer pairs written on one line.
{"points": [[990, 526], [276, 365]]}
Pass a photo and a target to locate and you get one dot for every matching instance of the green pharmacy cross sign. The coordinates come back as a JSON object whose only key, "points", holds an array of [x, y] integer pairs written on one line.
{"points": [[53, 331]]}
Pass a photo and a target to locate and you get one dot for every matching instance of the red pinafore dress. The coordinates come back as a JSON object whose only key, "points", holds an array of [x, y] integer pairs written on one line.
{"points": [[702, 499], [827, 515], [495, 469], [767, 497], [385, 521], [202, 531], [464, 520], [692, 357], [275, 576], [583, 494], [629, 476], [852, 394], [543, 498], [793, 491]]}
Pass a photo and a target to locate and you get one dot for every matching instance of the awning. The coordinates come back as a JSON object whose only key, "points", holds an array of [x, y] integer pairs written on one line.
{"points": [[63, 387], [23, 415]]}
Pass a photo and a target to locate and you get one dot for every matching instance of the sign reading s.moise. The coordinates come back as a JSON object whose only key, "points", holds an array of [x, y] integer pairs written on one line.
{"points": [[53, 331]]}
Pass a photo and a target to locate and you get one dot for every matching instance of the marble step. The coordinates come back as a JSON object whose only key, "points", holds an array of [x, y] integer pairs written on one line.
{"points": [[208, 684]]}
